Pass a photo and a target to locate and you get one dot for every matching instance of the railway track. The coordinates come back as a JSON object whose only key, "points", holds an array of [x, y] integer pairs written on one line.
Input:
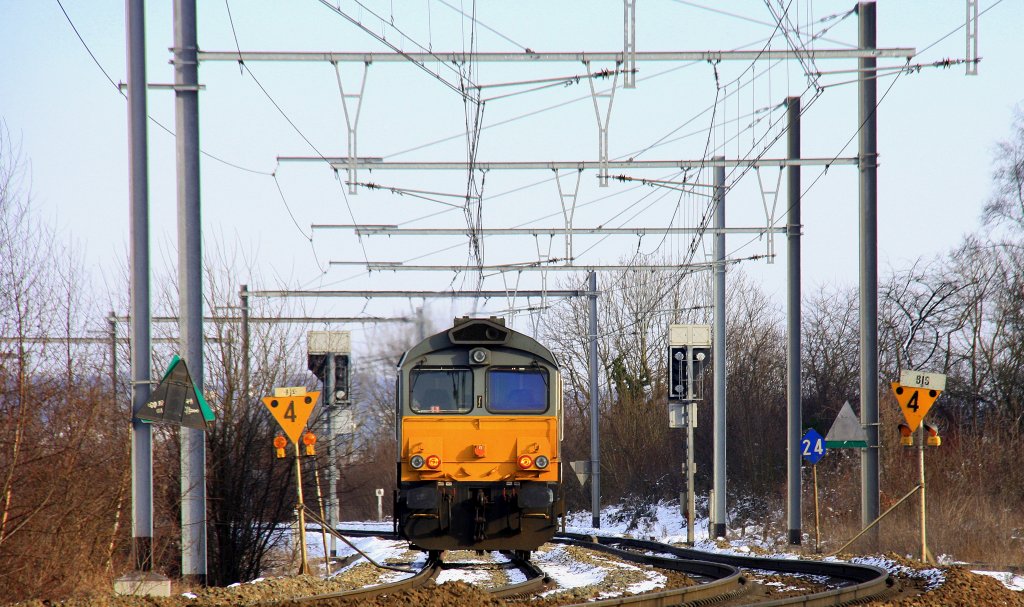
{"points": [[536, 581], [721, 576], [855, 582]]}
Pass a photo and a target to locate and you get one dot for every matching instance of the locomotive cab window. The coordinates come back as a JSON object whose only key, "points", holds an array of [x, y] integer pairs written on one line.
{"points": [[441, 390], [517, 389]]}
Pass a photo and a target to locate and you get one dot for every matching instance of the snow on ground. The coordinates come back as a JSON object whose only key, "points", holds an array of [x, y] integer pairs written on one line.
{"points": [[566, 571], [933, 577], [1010, 580], [662, 523]]}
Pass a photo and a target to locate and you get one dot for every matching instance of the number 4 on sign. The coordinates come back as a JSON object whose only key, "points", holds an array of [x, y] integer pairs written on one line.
{"points": [[292, 412], [915, 402]]}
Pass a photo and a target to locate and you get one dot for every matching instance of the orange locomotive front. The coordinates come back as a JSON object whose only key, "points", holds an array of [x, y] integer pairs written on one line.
{"points": [[479, 428]]}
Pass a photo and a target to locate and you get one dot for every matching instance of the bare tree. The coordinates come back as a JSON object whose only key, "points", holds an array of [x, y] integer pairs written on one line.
{"points": [[634, 311], [1006, 207], [56, 418], [830, 333]]}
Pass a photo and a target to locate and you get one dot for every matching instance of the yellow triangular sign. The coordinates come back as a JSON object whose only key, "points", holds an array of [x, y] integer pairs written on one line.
{"points": [[915, 402], [292, 412]]}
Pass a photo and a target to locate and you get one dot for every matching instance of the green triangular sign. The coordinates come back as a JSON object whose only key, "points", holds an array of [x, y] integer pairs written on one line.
{"points": [[176, 400]]}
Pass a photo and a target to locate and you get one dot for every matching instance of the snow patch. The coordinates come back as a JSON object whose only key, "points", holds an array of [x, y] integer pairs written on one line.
{"points": [[933, 577], [1010, 580]]}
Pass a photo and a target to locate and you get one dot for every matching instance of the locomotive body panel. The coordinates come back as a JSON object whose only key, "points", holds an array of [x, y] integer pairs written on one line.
{"points": [[481, 448]]}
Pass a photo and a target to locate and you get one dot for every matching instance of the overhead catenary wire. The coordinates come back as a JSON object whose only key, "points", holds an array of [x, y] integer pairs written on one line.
{"points": [[825, 170], [337, 10], [485, 26], [159, 124], [274, 176], [752, 146], [802, 196]]}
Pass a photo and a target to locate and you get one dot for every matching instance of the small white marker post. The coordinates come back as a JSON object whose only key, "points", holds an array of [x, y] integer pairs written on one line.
{"points": [[380, 504]]}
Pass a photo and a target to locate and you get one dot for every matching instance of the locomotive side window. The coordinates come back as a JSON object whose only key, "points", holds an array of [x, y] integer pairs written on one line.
{"points": [[517, 390], [441, 390]]}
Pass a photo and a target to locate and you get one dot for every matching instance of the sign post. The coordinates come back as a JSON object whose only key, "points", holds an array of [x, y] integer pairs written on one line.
{"points": [[916, 392], [291, 408], [813, 448]]}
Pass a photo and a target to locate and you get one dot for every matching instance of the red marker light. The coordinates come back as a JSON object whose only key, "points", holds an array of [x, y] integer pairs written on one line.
{"points": [[525, 461], [433, 462], [280, 443]]}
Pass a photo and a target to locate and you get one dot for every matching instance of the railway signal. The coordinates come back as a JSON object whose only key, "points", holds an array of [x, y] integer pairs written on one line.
{"points": [[916, 392], [906, 435], [291, 408], [309, 440], [689, 351], [329, 358], [914, 402]]}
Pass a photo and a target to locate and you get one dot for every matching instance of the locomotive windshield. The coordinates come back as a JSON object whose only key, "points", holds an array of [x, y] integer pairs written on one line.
{"points": [[441, 390], [517, 390]]}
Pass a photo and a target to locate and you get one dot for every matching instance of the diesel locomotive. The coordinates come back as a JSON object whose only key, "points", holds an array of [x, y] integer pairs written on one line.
{"points": [[479, 427]]}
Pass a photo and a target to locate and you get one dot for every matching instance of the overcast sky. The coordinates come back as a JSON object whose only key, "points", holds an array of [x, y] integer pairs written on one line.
{"points": [[937, 133]]}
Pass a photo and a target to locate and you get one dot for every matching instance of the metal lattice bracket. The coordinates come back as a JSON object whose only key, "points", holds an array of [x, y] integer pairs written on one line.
{"points": [[602, 125], [351, 122], [769, 211], [972, 38], [629, 44], [568, 211], [541, 256]]}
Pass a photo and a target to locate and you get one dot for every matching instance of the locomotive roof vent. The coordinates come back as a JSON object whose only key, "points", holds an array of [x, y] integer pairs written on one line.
{"points": [[479, 331]]}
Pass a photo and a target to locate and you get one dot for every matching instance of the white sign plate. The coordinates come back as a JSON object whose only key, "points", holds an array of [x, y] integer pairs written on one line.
{"points": [[846, 432], [582, 470], [689, 335], [322, 342], [345, 423], [290, 391], [923, 379], [677, 417]]}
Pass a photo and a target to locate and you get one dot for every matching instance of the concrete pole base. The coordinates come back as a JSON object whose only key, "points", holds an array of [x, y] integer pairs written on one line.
{"points": [[143, 583]]}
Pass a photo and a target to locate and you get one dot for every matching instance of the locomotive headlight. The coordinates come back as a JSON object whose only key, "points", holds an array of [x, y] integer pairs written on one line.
{"points": [[416, 461], [525, 461], [542, 461], [433, 462], [479, 356]]}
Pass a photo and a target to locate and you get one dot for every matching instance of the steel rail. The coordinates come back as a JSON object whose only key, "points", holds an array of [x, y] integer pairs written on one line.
{"points": [[867, 581], [536, 581], [726, 581], [423, 577]]}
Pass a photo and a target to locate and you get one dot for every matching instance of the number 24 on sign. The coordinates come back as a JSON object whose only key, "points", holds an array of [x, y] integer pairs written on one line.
{"points": [[812, 446]]}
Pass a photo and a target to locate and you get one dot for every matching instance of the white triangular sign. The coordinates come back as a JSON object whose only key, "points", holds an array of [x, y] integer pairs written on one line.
{"points": [[846, 431], [582, 470]]}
